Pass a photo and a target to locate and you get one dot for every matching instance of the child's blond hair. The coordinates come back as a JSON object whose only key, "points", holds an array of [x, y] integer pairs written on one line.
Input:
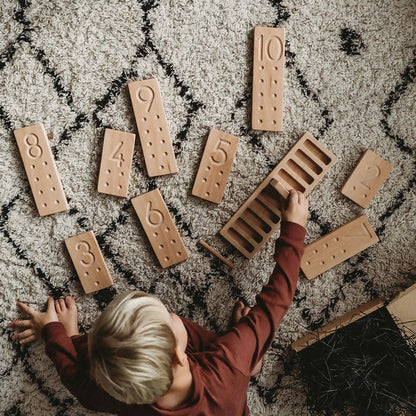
{"points": [[131, 346]]}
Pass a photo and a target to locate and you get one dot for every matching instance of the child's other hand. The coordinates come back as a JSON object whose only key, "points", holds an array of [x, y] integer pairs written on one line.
{"points": [[297, 208], [32, 327]]}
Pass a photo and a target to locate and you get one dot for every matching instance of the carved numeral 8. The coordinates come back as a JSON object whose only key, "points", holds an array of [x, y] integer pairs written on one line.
{"points": [[32, 142], [89, 256]]}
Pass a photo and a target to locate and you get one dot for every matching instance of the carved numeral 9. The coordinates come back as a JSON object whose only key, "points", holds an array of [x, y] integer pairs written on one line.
{"points": [[86, 252], [219, 155], [32, 142], [146, 95], [154, 217]]}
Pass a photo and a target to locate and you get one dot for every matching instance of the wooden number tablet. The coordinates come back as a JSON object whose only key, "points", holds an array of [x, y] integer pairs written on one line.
{"points": [[403, 311], [89, 262], [215, 166], [336, 324], [116, 162], [367, 178], [268, 69], [41, 170], [153, 128], [160, 229], [259, 217], [338, 246]]}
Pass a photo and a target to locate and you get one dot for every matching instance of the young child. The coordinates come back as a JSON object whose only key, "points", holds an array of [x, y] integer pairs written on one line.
{"points": [[139, 359]]}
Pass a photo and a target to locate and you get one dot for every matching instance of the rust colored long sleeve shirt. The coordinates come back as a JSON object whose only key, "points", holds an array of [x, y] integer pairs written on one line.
{"points": [[220, 365]]}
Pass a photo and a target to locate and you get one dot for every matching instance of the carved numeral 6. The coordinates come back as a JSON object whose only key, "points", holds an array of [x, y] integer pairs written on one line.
{"points": [[154, 217], [86, 252]]}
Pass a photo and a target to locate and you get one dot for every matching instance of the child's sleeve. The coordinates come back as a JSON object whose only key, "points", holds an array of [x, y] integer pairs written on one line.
{"points": [[244, 345], [73, 371]]}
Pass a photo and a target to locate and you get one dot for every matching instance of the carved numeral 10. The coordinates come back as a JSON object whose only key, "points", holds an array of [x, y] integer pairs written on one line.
{"points": [[271, 48]]}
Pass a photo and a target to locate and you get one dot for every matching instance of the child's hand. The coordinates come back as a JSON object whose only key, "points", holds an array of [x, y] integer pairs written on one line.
{"points": [[33, 326], [297, 208]]}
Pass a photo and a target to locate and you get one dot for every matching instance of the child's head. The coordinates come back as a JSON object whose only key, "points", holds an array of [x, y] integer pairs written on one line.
{"points": [[131, 346]]}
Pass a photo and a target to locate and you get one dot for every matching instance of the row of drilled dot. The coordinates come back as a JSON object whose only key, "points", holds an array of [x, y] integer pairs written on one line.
{"points": [[275, 67], [157, 117], [98, 269], [106, 184], [217, 184], [315, 251], [161, 246], [355, 188], [48, 176], [261, 107], [274, 94]]}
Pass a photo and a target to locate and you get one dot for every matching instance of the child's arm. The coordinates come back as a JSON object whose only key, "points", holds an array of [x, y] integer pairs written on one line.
{"points": [[246, 343], [73, 372], [60, 348]]}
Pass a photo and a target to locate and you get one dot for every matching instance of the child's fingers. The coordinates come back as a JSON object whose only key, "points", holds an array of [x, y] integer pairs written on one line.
{"points": [[25, 308], [293, 197], [26, 323], [57, 307], [31, 338], [24, 334]]}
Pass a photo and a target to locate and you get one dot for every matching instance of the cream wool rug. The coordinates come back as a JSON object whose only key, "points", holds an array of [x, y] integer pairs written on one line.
{"points": [[349, 80]]}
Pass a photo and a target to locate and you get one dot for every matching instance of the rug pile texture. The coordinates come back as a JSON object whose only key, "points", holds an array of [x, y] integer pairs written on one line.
{"points": [[349, 80]]}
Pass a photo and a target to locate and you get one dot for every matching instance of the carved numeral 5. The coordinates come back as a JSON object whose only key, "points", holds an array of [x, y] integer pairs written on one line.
{"points": [[219, 155]]}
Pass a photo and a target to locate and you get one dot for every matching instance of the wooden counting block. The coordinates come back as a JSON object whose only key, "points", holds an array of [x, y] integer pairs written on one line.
{"points": [[160, 229], [337, 246], [268, 69], [41, 170], [281, 190], [153, 128], [89, 262], [216, 254], [116, 162], [215, 166], [367, 178], [259, 217]]}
